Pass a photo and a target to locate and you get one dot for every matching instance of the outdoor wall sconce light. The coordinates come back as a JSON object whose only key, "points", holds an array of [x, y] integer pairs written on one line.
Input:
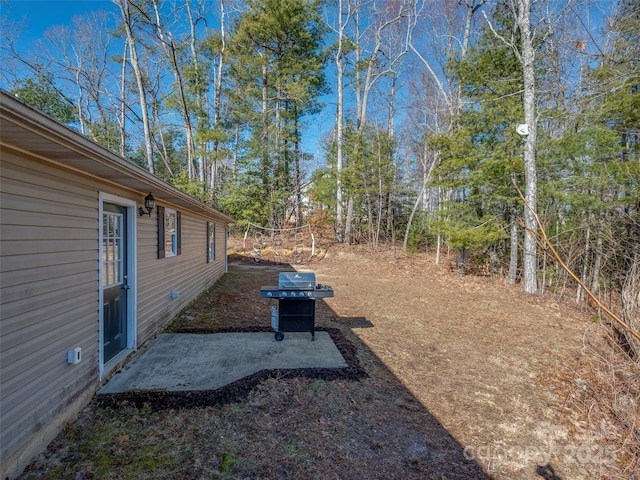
{"points": [[149, 203]]}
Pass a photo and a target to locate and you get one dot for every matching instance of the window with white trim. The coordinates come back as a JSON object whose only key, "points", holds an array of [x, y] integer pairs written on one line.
{"points": [[168, 232], [211, 242]]}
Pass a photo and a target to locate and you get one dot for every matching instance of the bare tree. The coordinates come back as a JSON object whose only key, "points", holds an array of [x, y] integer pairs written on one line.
{"points": [[379, 57], [376, 55], [171, 51], [128, 23], [217, 92], [80, 54], [122, 117], [449, 30], [526, 54], [345, 13]]}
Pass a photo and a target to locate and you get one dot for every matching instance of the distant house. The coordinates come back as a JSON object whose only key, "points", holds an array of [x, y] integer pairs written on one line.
{"points": [[86, 273]]}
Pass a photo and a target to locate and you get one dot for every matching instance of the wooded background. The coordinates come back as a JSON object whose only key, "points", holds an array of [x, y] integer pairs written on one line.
{"points": [[223, 98]]}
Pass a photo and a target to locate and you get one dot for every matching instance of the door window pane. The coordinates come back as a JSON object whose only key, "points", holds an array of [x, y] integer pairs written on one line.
{"points": [[111, 249]]}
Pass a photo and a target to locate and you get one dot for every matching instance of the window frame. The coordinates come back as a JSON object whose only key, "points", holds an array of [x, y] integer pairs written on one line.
{"points": [[211, 242], [170, 236], [162, 233]]}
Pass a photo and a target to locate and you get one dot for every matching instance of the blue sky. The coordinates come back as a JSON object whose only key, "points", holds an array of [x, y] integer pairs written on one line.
{"points": [[36, 16], [42, 14]]}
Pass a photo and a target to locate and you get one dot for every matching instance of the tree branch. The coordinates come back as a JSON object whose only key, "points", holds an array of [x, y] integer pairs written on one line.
{"points": [[543, 241]]}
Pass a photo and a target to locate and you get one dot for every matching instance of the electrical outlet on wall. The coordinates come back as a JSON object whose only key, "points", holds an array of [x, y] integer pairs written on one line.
{"points": [[74, 356]]}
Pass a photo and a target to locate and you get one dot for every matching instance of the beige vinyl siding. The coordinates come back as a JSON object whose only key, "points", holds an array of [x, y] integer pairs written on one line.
{"points": [[26, 323], [19, 392], [51, 181], [30, 416], [49, 293], [188, 273], [77, 277]]}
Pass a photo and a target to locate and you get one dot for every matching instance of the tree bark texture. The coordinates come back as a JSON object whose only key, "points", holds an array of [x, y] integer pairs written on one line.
{"points": [[513, 258], [527, 54]]}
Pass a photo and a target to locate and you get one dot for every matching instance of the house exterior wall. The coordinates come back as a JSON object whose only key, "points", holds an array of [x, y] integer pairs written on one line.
{"points": [[188, 273], [50, 300]]}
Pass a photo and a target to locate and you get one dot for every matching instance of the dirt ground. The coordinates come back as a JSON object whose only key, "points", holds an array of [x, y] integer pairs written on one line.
{"points": [[453, 377]]}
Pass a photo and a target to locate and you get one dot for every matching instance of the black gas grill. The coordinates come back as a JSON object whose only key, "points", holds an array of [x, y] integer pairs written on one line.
{"points": [[296, 293]]}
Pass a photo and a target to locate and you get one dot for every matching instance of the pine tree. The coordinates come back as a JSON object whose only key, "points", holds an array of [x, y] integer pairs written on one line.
{"points": [[41, 93], [482, 152], [277, 73]]}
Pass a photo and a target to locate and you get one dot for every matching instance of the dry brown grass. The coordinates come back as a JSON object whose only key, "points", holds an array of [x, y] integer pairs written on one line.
{"points": [[605, 406], [465, 378]]}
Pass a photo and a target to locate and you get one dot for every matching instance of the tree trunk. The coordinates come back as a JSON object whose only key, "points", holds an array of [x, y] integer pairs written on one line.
{"points": [[597, 265], [443, 196], [349, 222], [585, 263], [127, 21], [162, 150], [390, 136], [513, 257], [530, 172], [198, 97], [631, 303], [217, 92], [426, 176], [265, 130], [123, 103], [411, 215], [169, 48], [339, 58], [276, 132], [298, 175]]}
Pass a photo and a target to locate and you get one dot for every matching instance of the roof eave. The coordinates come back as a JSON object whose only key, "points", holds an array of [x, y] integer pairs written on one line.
{"points": [[21, 122]]}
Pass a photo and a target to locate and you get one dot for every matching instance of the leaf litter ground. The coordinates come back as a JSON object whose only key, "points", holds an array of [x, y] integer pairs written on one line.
{"points": [[449, 377]]}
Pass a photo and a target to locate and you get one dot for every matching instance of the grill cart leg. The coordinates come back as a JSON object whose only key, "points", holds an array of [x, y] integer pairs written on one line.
{"points": [[275, 323]]}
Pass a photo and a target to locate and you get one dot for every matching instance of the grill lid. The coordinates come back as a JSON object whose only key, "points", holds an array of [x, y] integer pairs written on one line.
{"points": [[296, 281]]}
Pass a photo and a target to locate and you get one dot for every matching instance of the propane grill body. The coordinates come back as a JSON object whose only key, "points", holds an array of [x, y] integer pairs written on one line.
{"points": [[296, 293]]}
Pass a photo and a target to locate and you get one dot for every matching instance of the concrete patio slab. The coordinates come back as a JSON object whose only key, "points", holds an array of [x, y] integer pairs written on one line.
{"points": [[192, 362]]}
